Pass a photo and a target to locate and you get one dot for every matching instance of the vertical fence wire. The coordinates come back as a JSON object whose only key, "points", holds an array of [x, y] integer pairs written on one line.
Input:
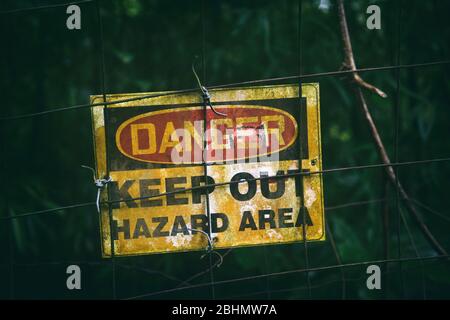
{"points": [[396, 146], [268, 290], [303, 208], [9, 224], [205, 148], [11, 261], [397, 119], [385, 210], [338, 259], [4, 169], [106, 120], [417, 253]]}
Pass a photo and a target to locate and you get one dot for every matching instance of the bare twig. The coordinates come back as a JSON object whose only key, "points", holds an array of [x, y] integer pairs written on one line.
{"points": [[350, 62], [368, 86], [437, 213], [338, 259]]}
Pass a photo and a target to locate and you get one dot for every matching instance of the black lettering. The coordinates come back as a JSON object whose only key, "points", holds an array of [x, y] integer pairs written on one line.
{"points": [[125, 228], [199, 222], [170, 187], [267, 216], [234, 187], [141, 229], [283, 218], [265, 185], [162, 221], [214, 222], [247, 221], [197, 194], [179, 226], [121, 194], [303, 214], [146, 192]]}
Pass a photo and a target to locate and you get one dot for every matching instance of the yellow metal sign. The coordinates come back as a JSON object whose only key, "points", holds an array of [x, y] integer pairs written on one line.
{"points": [[163, 198]]}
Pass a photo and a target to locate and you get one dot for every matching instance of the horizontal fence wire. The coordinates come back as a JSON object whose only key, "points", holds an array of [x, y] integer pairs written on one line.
{"points": [[224, 86], [319, 285], [51, 6], [103, 262], [330, 208], [185, 284], [207, 186], [427, 208], [327, 209], [52, 210], [294, 271], [188, 285]]}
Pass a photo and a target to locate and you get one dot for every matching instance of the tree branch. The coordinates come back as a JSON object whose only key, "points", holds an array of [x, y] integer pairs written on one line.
{"points": [[350, 62]]}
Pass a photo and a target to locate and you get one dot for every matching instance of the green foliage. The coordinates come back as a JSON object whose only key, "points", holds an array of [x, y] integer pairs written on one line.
{"points": [[150, 46]]}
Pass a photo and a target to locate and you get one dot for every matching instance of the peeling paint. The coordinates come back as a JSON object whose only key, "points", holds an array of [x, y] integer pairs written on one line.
{"points": [[310, 197], [221, 200], [273, 234], [180, 240]]}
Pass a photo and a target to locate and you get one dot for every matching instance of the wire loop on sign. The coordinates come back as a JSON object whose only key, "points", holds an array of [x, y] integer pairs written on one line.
{"points": [[100, 184], [205, 94], [210, 247], [210, 244], [218, 254]]}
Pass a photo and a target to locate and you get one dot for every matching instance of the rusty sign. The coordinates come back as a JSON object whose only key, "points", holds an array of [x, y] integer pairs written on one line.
{"points": [[154, 149]]}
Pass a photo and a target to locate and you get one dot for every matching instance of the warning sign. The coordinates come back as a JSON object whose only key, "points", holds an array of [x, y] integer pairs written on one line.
{"points": [[161, 191]]}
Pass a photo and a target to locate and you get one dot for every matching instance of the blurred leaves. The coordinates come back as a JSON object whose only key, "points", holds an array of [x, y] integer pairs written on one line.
{"points": [[149, 46], [132, 7]]}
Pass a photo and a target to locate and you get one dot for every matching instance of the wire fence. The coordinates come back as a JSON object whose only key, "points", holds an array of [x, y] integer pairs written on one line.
{"points": [[187, 284]]}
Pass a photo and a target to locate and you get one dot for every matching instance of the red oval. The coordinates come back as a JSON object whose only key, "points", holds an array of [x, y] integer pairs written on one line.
{"points": [[245, 132]]}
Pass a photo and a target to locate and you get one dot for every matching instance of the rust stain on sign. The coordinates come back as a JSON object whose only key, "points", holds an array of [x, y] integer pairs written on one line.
{"points": [[155, 146]]}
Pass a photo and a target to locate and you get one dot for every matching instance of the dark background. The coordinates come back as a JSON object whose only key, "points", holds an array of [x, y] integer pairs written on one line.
{"points": [[150, 46]]}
